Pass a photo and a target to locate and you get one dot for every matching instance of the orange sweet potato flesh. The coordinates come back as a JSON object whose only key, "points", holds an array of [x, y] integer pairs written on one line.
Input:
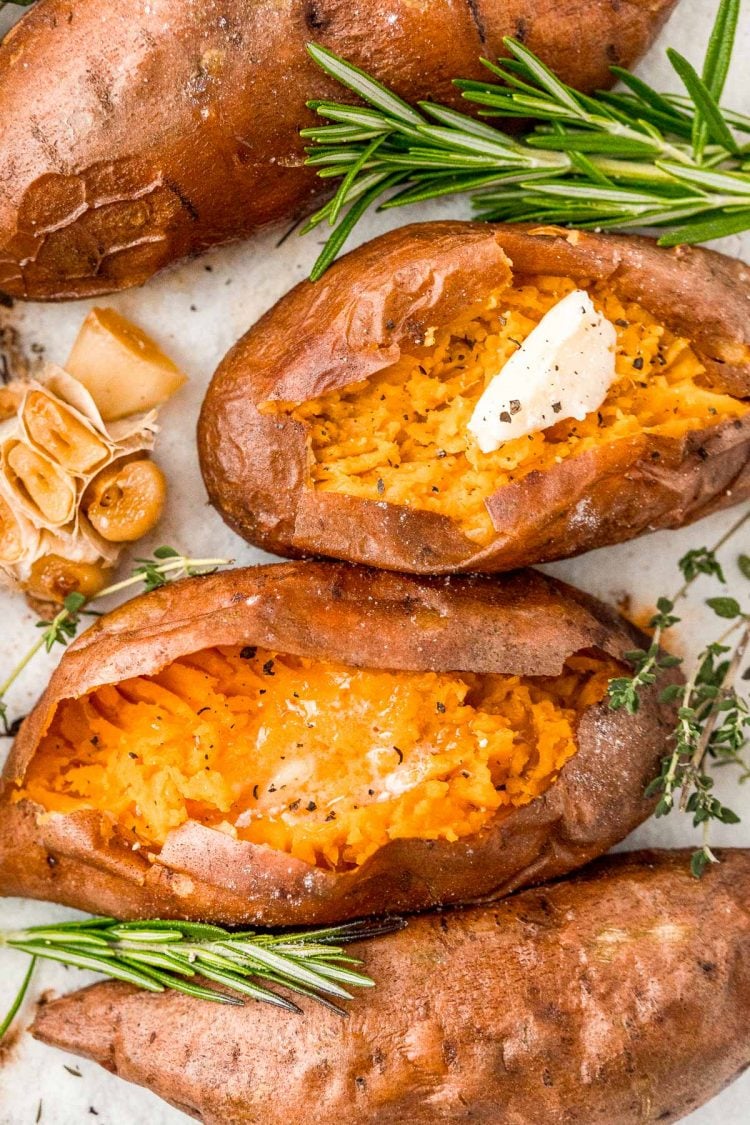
{"points": [[134, 135], [381, 302], [525, 624], [614, 997]]}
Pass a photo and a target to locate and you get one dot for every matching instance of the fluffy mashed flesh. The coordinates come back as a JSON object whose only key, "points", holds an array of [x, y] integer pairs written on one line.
{"points": [[402, 435], [317, 759]]}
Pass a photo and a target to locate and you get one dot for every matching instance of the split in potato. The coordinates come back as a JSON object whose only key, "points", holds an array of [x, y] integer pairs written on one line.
{"points": [[322, 760], [402, 436], [339, 424]]}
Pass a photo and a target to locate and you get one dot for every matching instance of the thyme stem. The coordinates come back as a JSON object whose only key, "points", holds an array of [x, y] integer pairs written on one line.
{"points": [[712, 718], [711, 722]]}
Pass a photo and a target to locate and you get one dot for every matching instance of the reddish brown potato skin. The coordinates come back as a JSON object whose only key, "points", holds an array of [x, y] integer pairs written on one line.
{"points": [[619, 996], [386, 294], [136, 134], [526, 623]]}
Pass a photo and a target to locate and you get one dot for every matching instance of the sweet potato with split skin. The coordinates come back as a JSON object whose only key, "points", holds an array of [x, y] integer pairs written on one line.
{"points": [[311, 742], [338, 425], [619, 996], [134, 135]]}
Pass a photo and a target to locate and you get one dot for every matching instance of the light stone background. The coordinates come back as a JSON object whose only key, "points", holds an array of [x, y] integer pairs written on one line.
{"points": [[196, 314]]}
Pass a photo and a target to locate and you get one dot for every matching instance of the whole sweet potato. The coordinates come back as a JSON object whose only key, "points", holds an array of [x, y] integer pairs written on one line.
{"points": [[135, 134], [338, 424], [135, 711], [619, 996]]}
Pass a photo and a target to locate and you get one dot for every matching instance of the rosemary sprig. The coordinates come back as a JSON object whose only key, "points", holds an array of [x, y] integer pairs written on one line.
{"points": [[194, 958], [713, 718], [632, 158], [165, 566]]}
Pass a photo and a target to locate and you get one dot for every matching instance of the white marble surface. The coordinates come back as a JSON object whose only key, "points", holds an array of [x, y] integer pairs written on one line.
{"points": [[197, 311]]}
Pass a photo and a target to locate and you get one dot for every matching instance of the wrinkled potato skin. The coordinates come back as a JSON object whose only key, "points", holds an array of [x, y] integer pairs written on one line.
{"points": [[386, 294], [136, 134], [526, 624], [616, 997]]}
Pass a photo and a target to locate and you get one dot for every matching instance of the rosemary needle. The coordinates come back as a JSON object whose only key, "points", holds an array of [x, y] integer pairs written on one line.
{"points": [[624, 159], [194, 957]]}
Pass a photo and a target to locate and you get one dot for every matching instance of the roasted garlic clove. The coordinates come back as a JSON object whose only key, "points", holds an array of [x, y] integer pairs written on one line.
{"points": [[64, 438], [125, 501], [43, 489], [52, 578], [10, 399], [11, 536], [122, 368]]}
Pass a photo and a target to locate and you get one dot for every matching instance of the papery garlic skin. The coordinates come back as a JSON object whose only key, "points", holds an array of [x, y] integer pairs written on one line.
{"points": [[563, 369]]}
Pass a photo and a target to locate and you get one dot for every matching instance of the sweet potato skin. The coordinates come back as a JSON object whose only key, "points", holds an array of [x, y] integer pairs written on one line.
{"points": [[526, 623], [615, 997], [136, 135], [353, 323]]}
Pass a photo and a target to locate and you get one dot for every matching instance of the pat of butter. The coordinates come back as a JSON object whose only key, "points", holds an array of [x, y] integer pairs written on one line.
{"points": [[563, 369]]}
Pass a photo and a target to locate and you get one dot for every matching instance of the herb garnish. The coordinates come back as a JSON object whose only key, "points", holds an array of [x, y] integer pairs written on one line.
{"points": [[158, 955], [713, 719], [632, 158], [166, 565]]}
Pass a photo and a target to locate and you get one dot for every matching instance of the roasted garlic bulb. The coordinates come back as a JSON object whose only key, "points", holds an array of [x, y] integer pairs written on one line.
{"points": [[76, 482]]}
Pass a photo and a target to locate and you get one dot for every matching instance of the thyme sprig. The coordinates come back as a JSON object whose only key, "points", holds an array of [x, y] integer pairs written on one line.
{"points": [[166, 565], [631, 158], [195, 958], [713, 718]]}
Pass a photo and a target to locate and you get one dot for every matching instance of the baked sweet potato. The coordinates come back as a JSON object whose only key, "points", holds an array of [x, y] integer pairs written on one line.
{"points": [[339, 424], [313, 742], [134, 135], [616, 997]]}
